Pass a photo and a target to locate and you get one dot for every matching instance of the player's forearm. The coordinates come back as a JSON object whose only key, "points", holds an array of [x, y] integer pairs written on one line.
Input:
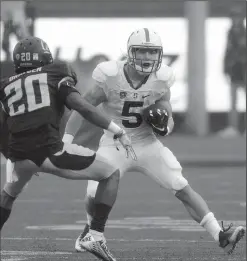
{"points": [[91, 113], [95, 116]]}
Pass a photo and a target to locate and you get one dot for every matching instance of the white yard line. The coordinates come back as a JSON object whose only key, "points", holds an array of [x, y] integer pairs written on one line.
{"points": [[137, 223]]}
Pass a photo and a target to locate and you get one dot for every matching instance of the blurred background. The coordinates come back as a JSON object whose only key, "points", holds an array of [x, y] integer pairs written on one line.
{"points": [[195, 37]]}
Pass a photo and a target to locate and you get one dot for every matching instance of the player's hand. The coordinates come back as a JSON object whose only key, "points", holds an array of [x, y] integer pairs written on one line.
{"points": [[158, 119], [125, 141], [170, 125]]}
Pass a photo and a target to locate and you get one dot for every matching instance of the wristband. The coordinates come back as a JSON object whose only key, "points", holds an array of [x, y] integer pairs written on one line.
{"points": [[68, 138], [114, 128]]}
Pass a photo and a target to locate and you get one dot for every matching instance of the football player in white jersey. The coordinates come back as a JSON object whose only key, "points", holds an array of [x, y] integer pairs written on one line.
{"points": [[124, 89]]}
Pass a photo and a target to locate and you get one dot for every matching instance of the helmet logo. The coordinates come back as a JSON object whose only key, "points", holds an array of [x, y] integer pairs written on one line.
{"points": [[35, 56], [17, 57]]}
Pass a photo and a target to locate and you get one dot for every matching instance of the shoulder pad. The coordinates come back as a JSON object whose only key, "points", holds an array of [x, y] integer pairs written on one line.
{"points": [[62, 69], [59, 67], [166, 74], [109, 68]]}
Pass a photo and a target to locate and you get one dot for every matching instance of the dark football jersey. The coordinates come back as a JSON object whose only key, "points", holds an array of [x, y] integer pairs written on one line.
{"points": [[34, 103]]}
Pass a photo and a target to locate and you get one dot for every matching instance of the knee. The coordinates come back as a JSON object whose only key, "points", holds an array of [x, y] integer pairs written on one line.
{"points": [[14, 189], [179, 185], [114, 178], [116, 175], [6, 200], [93, 185], [184, 192]]}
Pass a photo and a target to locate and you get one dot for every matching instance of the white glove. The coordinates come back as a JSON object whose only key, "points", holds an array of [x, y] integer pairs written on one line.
{"points": [[125, 141]]}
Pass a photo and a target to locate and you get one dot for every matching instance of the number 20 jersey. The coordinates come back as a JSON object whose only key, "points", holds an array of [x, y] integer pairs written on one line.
{"points": [[124, 103], [34, 104]]}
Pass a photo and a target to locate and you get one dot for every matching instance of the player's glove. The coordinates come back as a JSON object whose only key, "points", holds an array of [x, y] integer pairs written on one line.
{"points": [[125, 141], [157, 118]]}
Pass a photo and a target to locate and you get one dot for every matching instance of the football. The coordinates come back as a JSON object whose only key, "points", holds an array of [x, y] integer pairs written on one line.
{"points": [[156, 117]]}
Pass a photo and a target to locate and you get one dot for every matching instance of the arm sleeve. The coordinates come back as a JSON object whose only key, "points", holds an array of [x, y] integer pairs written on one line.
{"points": [[66, 80], [65, 88]]}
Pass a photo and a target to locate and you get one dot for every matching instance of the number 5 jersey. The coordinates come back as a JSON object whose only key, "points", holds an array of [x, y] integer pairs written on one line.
{"points": [[34, 103], [124, 102]]}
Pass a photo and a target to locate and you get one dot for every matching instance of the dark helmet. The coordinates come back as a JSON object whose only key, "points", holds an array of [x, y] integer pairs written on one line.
{"points": [[31, 52]]}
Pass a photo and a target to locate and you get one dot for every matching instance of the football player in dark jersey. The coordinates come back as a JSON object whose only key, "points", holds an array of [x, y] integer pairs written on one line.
{"points": [[33, 101]]}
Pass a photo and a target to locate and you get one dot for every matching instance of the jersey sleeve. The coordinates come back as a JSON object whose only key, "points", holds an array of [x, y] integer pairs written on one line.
{"points": [[63, 72], [164, 81], [171, 78], [166, 75], [64, 79]]}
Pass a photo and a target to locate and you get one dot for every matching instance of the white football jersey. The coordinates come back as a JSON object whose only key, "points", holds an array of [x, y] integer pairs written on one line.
{"points": [[124, 103]]}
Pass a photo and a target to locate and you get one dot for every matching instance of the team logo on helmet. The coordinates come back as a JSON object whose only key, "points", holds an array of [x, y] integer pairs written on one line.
{"points": [[17, 56], [35, 56]]}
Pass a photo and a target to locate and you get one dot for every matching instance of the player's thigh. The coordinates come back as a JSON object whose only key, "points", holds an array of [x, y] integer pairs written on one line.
{"points": [[102, 167], [161, 165], [78, 163], [18, 175], [116, 157]]}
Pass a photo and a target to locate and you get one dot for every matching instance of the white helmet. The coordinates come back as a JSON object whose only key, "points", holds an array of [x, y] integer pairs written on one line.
{"points": [[144, 38]]}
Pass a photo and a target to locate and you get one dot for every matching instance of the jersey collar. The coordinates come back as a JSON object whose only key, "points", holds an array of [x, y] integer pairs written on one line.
{"points": [[131, 83]]}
